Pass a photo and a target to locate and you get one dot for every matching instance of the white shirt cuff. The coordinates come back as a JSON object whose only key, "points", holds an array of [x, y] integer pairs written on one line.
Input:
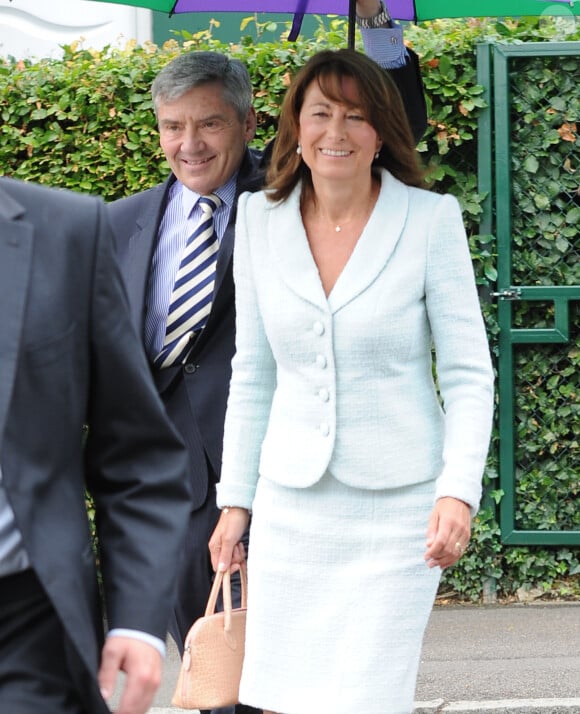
{"points": [[138, 635]]}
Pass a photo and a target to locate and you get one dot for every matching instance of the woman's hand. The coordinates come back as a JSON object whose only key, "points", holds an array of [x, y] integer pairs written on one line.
{"points": [[224, 545], [448, 532]]}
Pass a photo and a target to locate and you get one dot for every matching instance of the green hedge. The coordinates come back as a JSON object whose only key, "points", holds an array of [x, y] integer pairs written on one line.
{"points": [[87, 123]]}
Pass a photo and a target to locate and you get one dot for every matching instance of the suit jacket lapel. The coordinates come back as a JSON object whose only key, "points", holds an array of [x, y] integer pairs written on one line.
{"points": [[376, 243], [371, 253], [16, 242], [250, 178], [137, 262], [137, 265], [290, 247]]}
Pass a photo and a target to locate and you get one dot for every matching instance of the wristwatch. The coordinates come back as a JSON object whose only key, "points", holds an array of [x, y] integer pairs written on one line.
{"points": [[381, 19]]}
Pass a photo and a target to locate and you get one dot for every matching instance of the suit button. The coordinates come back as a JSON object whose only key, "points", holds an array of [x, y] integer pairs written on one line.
{"points": [[324, 395], [324, 429], [318, 328], [190, 368], [321, 361]]}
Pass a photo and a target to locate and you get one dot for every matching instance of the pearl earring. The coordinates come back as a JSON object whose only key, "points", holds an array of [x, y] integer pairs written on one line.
{"points": [[299, 150], [377, 155]]}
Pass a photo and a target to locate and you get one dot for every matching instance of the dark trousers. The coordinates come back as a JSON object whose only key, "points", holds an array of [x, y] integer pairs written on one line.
{"points": [[36, 672], [195, 578], [195, 572]]}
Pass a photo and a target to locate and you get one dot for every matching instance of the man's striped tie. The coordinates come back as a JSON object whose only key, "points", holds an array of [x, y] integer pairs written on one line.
{"points": [[190, 302]]}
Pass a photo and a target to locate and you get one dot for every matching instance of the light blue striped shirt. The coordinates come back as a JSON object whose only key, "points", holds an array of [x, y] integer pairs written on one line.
{"points": [[13, 557], [182, 214], [385, 45]]}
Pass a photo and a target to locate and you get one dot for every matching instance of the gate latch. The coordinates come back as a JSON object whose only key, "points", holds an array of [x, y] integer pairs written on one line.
{"points": [[508, 294]]}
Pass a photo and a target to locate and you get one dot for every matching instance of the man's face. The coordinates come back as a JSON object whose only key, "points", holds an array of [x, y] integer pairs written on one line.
{"points": [[202, 137]]}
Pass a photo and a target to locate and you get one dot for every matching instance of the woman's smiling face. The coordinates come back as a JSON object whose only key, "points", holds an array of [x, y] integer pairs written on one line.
{"points": [[337, 140]]}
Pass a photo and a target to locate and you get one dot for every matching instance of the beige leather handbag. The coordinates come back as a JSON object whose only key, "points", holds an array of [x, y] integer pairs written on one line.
{"points": [[211, 667]]}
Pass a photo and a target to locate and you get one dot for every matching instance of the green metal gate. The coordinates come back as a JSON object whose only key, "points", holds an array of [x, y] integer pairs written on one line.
{"points": [[533, 209]]}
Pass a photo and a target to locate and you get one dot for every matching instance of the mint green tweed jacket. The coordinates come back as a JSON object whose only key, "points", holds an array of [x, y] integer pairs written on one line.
{"points": [[345, 382]]}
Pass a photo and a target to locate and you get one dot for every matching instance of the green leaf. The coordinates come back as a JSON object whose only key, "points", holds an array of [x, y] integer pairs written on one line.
{"points": [[531, 164], [490, 272], [542, 201]]}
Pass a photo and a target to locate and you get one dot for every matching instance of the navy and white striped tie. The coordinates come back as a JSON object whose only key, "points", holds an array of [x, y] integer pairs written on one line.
{"points": [[190, 301]]}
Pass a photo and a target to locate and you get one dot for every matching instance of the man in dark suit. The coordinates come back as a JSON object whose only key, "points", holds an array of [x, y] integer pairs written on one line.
{"points": [[203, 103], [69, 357]]}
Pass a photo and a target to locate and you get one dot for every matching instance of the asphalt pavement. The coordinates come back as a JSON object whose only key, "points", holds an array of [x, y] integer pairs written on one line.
{"points": [[500, 659]]}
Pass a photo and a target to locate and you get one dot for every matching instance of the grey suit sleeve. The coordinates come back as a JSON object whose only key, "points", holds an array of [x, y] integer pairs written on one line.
{"points": [[135, 461]]}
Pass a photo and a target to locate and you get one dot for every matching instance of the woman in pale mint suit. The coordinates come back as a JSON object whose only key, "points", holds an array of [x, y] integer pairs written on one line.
{"points": [[361, 474]]}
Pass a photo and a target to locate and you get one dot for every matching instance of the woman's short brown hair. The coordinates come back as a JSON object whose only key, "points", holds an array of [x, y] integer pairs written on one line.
{"points": [[380, 102]]}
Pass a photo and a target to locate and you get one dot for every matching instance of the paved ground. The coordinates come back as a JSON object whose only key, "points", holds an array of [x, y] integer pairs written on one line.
{"points": [[516, 659], [522, 658]]}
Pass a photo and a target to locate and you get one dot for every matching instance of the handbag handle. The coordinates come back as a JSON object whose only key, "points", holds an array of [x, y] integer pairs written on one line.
{"points": [[222, 581]]}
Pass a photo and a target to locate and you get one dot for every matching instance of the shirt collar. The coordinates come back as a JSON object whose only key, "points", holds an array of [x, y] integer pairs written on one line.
{"points": [[189, 198]]}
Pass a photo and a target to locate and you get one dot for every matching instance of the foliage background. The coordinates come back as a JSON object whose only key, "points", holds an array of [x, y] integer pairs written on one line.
{"points": [[86, 123]]}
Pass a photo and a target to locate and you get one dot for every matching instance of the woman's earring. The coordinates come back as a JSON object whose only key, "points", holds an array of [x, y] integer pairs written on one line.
{"points": [[377, 155], [299, 150]]}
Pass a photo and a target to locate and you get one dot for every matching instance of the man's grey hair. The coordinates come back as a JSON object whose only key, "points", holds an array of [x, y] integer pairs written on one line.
{"points": [[194, 69]]}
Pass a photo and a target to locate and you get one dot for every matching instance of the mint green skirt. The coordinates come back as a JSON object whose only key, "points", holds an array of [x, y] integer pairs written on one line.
{"points": [[339, 598]]}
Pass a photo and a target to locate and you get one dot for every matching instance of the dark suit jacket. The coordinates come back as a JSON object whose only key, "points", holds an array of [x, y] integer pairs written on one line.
{"points": [[69, 356], [195, 394], [410, 85]]}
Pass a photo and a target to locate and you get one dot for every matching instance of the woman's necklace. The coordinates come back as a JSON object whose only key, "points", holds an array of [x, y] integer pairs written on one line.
{"points": [[339, 226], [364, 215]]}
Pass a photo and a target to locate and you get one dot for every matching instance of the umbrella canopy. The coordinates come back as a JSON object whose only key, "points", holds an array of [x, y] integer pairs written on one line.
{"points": [[415, 10], [418, 10]]}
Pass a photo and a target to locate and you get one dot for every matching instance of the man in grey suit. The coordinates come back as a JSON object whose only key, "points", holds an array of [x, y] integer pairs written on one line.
{"points": [[69, 357]]}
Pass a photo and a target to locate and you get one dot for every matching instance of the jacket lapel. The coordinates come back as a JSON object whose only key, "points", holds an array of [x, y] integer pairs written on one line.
{"points": [[16, 242], [250, 178], [137, 265], [292, 252], [376, 243], [371, 253]]}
